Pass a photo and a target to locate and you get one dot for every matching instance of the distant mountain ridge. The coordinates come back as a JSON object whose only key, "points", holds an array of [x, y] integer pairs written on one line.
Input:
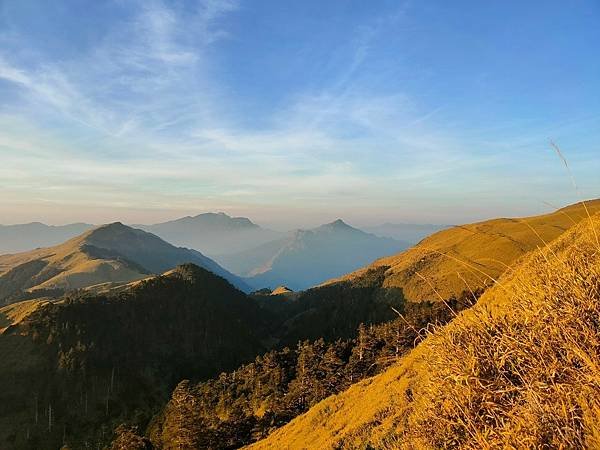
{"points": [[27, 236], [305, 258], [113, 253], [212, 233], [209, 233]]}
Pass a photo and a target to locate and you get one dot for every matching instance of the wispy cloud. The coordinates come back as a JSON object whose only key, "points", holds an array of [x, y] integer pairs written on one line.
{"points": [[142, 119], [134, 76]]}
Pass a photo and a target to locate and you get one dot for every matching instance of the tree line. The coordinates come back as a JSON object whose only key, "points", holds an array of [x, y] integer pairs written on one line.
{"points": [[244, 405]]}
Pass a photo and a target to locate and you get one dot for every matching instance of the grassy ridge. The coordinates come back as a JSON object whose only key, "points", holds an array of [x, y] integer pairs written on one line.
{"points": [[472, 256], [519, 370]]}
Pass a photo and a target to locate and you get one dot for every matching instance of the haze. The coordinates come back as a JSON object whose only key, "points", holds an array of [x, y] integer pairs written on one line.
{"points": [[296, 114]]}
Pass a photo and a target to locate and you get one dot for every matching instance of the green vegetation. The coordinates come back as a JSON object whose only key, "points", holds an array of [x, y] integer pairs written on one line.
{"points": [[79, 366], [95, 361]]}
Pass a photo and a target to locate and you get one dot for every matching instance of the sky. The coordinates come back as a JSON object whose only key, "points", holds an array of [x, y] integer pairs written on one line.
{"points": [[296, 113]]}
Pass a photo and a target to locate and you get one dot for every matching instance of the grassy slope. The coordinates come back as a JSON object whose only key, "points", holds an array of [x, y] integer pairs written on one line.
{"points": [[482, 252], [520, 369], [111, 253], [67, 266]]}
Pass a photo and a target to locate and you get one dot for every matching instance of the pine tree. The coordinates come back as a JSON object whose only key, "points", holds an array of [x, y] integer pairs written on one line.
{"points": [[127, 438], [181, 430], [333, 367]]}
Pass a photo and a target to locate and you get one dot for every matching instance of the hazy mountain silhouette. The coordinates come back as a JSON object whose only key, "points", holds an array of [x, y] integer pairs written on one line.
{"points": [[28, 236], [213, 233], [305, 258], [113, 253]]}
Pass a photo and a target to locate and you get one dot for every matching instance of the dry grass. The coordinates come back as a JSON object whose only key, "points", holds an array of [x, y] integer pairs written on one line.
{"points": [[521, 369], [66, 266], [475, 255]]}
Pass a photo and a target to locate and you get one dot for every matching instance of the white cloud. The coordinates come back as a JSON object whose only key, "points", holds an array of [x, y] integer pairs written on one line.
{"points": [[139, 121]]}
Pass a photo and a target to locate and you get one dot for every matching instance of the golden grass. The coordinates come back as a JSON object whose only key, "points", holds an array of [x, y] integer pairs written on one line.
{"points": [[521, 369], [473, 256], [15, 313], [69, 267]]}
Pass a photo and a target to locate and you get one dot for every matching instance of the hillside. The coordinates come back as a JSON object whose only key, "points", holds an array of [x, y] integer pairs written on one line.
{"points": [[111, 253], [77, 366], [518, 370], [212, 233], [470, 257], [308, 257], [242, 406], [28, 236]]}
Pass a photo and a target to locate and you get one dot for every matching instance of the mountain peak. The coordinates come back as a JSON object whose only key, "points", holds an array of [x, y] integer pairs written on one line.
{"points": [[211, 214], [336, 225], [113, 226], [281, 290], [108, 230], [220, 219], [339, 223], [188, 271]]}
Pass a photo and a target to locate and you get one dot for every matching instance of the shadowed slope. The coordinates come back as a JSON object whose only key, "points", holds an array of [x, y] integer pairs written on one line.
{"points": [[518, 370], [97, 360]]}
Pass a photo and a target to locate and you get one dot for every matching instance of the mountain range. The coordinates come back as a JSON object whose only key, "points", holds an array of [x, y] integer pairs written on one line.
{"points": [[162, 352], [101, 257], [305, 258], [212, 233], [28, 236]]}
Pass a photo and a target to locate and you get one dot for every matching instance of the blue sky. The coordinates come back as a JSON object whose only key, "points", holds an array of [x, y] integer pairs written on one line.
{"points": [[296, 113]]}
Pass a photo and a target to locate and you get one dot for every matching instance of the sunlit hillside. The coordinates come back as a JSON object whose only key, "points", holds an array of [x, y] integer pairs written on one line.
{"points": [[518, 370], [110, 254], [469, 257], [285, 225]]}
